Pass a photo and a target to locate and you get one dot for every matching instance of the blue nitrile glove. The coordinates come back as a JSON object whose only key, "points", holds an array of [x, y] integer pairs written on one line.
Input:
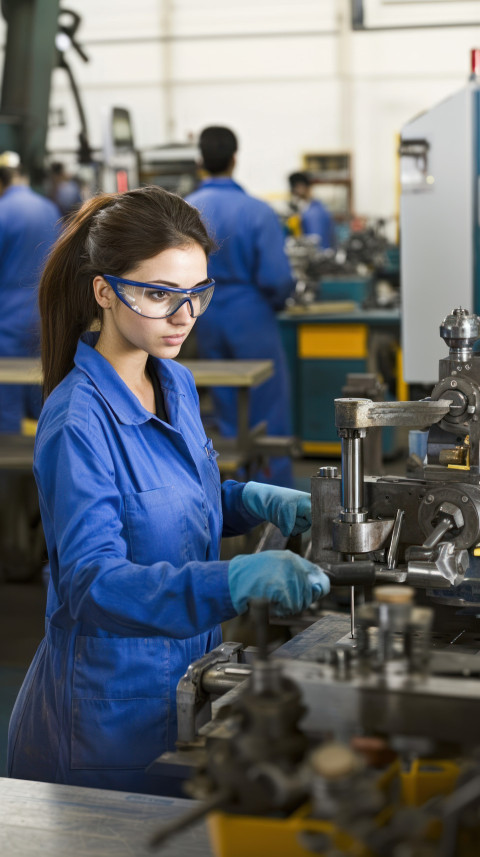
{"points": [[287, 580], [289, 510]]}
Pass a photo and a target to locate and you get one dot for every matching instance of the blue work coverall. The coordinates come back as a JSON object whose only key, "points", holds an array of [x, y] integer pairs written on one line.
{"points": [[133, 513], [29, 225], [253, 280], [317, 220]]}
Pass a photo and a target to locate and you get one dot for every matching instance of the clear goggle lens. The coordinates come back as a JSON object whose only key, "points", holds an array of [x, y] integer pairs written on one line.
{"points": [[161, 301]]}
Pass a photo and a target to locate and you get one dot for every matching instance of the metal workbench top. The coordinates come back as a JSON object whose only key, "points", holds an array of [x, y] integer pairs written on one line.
{"points": [[207, 373], [39, 819], [329, 313]]}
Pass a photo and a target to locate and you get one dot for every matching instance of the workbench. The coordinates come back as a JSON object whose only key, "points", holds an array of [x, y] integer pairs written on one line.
{"points": [[17, 453], [21, 540], [40, 819], [207, 373]]}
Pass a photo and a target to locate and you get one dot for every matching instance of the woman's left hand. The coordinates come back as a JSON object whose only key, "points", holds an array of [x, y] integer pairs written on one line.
{"points": [[289, 510]]}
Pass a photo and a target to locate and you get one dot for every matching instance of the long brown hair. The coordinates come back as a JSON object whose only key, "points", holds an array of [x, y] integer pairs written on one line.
{"points": [[111, 233]]}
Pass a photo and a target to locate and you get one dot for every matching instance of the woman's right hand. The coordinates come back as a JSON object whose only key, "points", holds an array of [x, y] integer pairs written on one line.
{"points": [[290, 582]]}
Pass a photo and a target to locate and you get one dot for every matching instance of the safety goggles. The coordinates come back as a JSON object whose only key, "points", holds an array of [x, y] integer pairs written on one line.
{"points": [[160, 301]]}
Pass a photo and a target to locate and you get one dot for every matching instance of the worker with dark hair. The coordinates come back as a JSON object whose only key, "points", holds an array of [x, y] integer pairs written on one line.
{"points": [[29, 225], [131, 501], [253, 280], [315, 217], [63, 189]]}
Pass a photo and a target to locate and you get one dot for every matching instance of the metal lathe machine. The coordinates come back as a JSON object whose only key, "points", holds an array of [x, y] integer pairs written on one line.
{"points": [[361, 736]]}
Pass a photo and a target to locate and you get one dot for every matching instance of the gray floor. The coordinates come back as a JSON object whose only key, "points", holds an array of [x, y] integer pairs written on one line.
{"points": [[22, 607]]}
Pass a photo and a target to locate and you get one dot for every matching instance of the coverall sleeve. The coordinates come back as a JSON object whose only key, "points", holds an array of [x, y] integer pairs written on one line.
{"points": [[236, 519], [96, 579], [272, 269]]}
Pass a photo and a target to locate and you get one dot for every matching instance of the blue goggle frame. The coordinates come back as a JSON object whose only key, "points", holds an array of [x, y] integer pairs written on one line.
{"points": [[184, 295]]}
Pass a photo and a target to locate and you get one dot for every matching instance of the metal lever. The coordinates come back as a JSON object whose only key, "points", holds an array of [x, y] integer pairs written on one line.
{"points": [[393, 549], [446, 523], [177, 825]]}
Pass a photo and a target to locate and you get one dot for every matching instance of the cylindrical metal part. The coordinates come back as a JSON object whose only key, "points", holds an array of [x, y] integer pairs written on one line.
{"points": [[436, 536], [220, 679], [361, 572], [328, 472], [426, 575], [394, 595], [352, 477], [177, 825], [460, 330], [259, 612], [265, 677], [393, 549]]}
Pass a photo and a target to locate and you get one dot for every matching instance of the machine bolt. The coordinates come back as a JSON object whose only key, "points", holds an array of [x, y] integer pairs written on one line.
{"points": [[467, 367], [429, 498], [459, 368], [453, 383], [328, 472], [464, 498]]}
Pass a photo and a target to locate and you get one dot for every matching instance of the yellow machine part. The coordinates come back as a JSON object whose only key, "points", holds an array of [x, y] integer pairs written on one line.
{"points": [[241, 835], [294, 225], [326, 447], [428, 778], [29, 427], [333, 341]]}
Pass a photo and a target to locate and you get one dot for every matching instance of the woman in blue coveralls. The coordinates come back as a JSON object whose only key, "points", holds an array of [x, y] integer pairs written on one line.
{"points": [[131, 501]]}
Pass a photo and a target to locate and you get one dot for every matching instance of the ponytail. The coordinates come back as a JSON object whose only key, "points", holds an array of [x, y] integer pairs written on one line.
{"points": [[110, 234], [67, 302]]}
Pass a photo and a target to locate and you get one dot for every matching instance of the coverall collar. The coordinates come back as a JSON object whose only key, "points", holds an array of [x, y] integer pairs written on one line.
{"points": [[122, 401], [14, 188], [221, 181]]}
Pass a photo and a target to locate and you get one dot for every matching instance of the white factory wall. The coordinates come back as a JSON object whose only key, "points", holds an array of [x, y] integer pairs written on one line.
{"points": [[289, 77]]}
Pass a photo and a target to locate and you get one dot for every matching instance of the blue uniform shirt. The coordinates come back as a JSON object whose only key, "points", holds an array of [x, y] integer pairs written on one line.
{"points": [[253, 280], [317, 220], [29, 225], [249, 237], [133, 513]]}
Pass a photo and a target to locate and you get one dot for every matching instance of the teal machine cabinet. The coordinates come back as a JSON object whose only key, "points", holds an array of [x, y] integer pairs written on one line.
{"points": [[321, 350]]}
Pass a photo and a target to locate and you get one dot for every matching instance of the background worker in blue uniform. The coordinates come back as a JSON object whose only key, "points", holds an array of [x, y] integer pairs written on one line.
{"points": [[315, 217], [29, 225], [131, 501], [253, 280], [63, 189]]}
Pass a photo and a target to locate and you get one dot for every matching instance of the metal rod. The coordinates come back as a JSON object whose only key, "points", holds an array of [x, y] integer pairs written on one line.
{"points": [[352, 473], [393, 548], [219, 680], [352, 612], [351, 558], [177, 825], [436, 536]]}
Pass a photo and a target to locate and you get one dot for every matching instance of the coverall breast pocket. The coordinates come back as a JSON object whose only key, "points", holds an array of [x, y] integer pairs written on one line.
{"points": [[157, 526], [120, 702]]}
